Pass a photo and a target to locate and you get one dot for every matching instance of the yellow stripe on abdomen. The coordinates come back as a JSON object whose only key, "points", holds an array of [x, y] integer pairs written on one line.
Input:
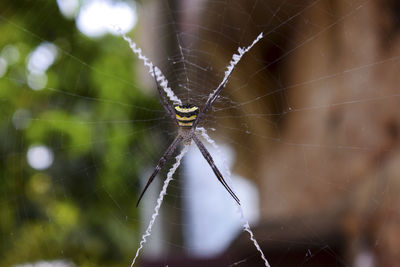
{"points": [[185, 124], [183, 118], [186, 109]]}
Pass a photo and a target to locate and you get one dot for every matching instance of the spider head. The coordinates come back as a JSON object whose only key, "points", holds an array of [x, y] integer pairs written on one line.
{"points": [[186, 114]]}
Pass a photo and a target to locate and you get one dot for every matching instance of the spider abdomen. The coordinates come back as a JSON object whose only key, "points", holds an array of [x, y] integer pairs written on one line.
{"points": [[186, 114]]}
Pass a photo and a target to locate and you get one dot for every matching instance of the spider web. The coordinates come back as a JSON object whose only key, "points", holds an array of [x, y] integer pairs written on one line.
{"points": [[99, 116], [156, 73]]}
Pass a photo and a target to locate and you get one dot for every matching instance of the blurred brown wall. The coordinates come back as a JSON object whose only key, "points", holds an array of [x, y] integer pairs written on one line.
{"points": [[335, 154], [329, 71]]}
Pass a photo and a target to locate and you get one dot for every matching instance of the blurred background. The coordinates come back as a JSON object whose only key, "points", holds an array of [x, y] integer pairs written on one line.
{"points": [[74, 117], [307, 129]]}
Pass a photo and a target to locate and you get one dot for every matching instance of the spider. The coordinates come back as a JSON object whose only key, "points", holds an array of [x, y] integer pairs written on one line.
{"points": [[187, 117]]}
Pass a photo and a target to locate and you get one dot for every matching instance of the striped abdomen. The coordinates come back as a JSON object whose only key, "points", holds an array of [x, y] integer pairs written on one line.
{"points": [[186, 115]]}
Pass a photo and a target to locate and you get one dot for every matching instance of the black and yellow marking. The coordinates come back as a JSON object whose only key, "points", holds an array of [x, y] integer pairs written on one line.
{"points": [[186, 114]]}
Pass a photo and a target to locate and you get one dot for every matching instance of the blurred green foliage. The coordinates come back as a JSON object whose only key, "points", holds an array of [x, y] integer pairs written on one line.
{"points": [[81, 208]]}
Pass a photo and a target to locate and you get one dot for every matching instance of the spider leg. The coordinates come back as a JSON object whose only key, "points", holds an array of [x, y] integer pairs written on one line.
{"points": [[211, 101], [164, 100], [210, 161], [160, 164]]}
